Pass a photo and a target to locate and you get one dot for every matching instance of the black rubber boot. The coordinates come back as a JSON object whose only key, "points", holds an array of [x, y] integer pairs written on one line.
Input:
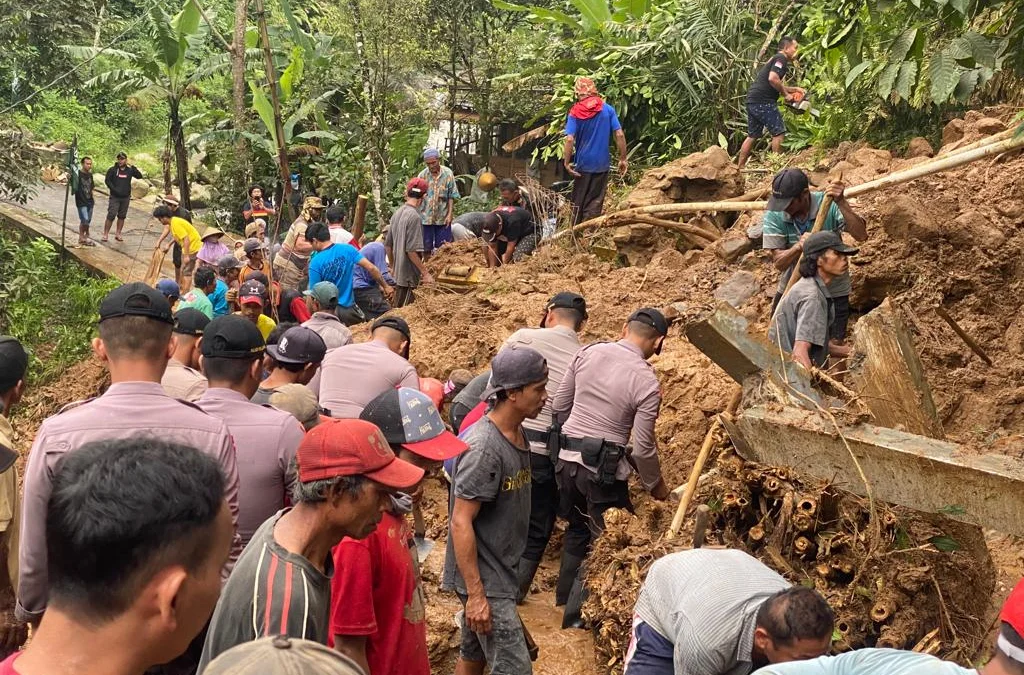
{"points": [[527, 570], [572, 617], [567, 573]]}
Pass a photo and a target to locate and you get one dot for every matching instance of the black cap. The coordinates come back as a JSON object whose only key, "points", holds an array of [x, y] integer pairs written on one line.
{"points": [[566, 300], [232, 337], [651, 317], [787, 185], [121, 155], [492, 226], [252, 290], [394, 323], [299, 345], [190, 321], [13, 362], [136, 299], [819, 242]]}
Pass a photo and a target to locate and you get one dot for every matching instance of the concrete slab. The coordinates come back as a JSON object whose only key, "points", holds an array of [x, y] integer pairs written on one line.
{"points": [[125, 260], [887, 372], [906, 469], [724, 336]]}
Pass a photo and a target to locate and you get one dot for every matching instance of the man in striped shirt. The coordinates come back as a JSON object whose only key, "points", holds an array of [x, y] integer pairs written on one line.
{"points": [[718, 612], [282, 583]]}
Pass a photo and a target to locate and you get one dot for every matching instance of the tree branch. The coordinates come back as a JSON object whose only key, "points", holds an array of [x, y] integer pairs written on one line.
{"points": [[216, 33]]}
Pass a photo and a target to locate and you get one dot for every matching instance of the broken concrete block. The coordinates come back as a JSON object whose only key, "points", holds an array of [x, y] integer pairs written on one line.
{"points": [[887, 371], [919, 147], [915, 471], [738, 288]]}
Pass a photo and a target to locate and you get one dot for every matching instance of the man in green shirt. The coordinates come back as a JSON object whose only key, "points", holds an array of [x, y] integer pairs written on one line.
{"points": [[204, 283]]}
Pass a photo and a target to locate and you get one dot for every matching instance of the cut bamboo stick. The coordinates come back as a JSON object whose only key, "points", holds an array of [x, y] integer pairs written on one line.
{"points": [[937, 165], [988, 140], [968, 340]]}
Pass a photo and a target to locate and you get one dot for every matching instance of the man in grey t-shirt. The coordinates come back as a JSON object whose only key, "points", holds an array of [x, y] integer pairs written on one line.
{"points": [[490, 514], [803, 321], [404, 244]]}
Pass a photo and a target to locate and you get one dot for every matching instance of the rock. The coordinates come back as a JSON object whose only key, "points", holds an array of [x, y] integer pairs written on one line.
{"points": [[903, 216], [738, 288], [141, 188], [526, 289], [919, 147], [1014, 336], [871, 158], [953, 131], [989, 125], [670, 259], [622, 235], [200, 195], [692, 256], [732, 248], [1011, 208], [971, 228], [843, 168], [755, 233]]}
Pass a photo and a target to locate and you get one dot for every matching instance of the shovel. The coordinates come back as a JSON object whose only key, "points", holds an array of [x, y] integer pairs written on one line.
{"points": [[419, 530]]}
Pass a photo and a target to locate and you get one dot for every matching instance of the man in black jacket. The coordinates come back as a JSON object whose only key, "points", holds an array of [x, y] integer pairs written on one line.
{"points": [[119, 182], [84, 201]]}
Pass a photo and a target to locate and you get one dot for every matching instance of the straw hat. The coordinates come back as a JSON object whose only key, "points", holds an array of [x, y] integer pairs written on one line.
{"points": [[211, 231]]}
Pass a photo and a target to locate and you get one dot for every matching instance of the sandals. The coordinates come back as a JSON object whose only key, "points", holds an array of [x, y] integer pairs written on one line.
{"points": [[118, 237]]}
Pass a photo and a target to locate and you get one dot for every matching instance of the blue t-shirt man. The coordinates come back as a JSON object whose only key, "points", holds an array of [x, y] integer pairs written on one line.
{"points": [[219, 299], [592, 139], [335, 264]]}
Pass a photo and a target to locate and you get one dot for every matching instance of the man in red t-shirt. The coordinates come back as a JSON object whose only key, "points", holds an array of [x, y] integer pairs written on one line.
{"points": [[377, 607]]}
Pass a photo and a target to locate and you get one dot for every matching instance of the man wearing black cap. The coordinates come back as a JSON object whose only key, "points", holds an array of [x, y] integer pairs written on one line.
{"points": [[13, 367], [182, 378], [490, 512], [557, 340], [135, 344], [267, 438], [355, 374], [609, 393], [295, 359], [509, 234], [792, 209], [806, 317]]}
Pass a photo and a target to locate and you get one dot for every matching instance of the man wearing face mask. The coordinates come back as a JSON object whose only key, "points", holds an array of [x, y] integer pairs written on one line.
{"points": [[609, 393], [378, 613]]}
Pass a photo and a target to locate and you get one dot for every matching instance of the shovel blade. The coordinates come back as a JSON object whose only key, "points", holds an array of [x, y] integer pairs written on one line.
{"points": [[423, 547]]}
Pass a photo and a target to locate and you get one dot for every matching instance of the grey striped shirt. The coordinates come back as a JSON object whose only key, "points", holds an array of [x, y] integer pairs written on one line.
{"points": [[705, 603]]}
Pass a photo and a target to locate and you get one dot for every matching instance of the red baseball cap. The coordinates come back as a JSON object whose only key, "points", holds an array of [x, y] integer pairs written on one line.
{"points": [[353, 447], [1010, 640], [416, 187]]}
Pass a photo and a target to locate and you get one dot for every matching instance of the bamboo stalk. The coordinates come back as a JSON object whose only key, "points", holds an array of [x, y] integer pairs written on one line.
{"points": [[975, 347], [819, 222], [695, 235], [922, 170], [988, 140]]}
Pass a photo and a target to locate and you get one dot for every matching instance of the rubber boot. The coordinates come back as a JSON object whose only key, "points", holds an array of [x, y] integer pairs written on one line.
{"points": [[567, 572], [572, 617], [527, 570]]}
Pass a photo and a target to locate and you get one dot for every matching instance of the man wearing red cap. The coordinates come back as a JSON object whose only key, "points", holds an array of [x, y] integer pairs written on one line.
{"points": [[1007, 657], [378, 614], [282, 582], [404, 244], [591, 121]]}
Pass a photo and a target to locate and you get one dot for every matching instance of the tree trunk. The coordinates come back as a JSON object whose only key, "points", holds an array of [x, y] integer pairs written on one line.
{"points": [[373, 137], [180, 156], [238, 76], [99, 24]]}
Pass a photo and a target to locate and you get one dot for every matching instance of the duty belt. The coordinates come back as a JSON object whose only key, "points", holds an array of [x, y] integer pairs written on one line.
{"points": [[599, 455], [535, 436]]}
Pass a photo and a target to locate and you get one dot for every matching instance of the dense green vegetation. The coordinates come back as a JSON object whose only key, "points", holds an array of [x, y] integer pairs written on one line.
{"points": [[51, 308], [183, 85]]}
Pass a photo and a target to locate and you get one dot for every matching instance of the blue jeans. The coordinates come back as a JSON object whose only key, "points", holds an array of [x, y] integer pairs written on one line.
{"points": [[649, 653], [435, 235], [85, 215]]}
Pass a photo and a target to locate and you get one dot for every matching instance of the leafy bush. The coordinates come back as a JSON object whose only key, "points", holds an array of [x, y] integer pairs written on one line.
{"points": [[53, 117], [52, 310]]}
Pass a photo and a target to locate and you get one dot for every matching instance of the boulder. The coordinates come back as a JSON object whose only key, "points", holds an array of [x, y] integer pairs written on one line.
{"points": [[200, 195], [738, 288], [989, 125], [903, 216], [972, 228], [919, 147], [871, 158], [843, 168], [730, 249], [953, 131], [1010, 208], [141, 188]]}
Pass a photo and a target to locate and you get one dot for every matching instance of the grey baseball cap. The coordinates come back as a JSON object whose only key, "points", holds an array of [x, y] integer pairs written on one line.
{"points": [[515, 367], [282, 655]]}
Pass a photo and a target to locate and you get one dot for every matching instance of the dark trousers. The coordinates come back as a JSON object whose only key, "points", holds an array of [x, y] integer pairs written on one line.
{"points": [[371, 301], [582, 502], [543, 506], [403, 296], [350, 316], [588, 196]]}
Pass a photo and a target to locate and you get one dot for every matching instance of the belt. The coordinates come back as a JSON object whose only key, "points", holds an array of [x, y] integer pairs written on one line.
{"points": [[576, 444], [293, 257], [537, 436]]}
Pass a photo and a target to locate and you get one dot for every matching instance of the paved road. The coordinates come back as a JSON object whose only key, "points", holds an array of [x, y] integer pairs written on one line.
{"points": [[126, 260]]}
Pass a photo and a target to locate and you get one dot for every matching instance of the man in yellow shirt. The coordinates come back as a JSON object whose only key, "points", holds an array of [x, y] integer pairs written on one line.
{"points": [[186, 235], [252, 296]]}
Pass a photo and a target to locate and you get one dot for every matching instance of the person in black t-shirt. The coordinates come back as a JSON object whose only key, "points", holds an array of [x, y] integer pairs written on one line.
{"points": [[763, 97], [509, 235]]}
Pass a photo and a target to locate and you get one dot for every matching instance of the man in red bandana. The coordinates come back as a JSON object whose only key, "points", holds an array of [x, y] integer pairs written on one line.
{"points": [[591, 121]]}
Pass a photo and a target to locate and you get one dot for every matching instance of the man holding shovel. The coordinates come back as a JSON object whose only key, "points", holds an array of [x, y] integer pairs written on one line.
{"points": [[378, 612]]}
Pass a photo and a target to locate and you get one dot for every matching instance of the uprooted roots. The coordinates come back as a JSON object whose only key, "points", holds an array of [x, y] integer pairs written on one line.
{"points": [[928, 573]]}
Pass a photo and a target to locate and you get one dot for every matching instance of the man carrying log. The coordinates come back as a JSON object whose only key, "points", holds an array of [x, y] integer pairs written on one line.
{"points": [[806, 317], [712, 612], [792, 210]]}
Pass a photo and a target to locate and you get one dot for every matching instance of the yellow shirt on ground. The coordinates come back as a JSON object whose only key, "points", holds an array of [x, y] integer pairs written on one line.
{"points": [[181, 228]]}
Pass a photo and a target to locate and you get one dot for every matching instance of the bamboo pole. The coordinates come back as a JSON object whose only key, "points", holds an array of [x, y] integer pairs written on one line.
{"points": [[922, 170], [695, 235], [819, 222], [968, 340], [988, 140]]}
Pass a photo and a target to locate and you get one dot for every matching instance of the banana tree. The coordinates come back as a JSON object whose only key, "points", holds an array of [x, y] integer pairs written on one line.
{"points": [[169, 70]]}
